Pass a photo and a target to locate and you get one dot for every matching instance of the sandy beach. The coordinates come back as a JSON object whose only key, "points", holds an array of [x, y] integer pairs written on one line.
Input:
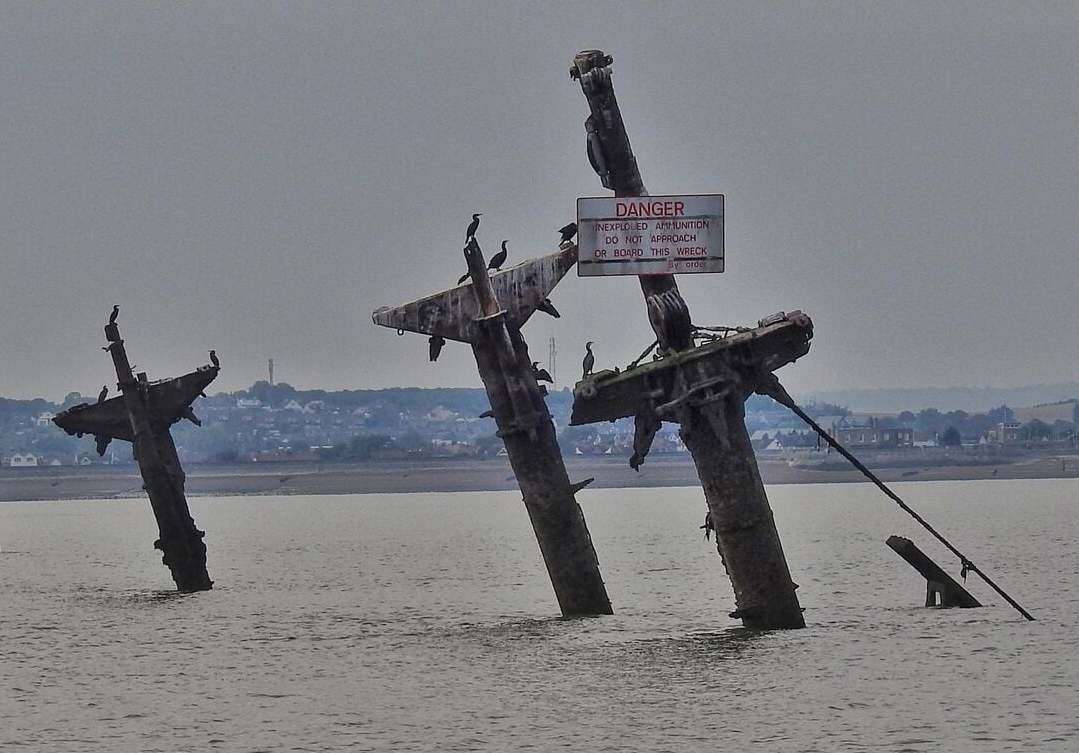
{"points": [[440, 475]]}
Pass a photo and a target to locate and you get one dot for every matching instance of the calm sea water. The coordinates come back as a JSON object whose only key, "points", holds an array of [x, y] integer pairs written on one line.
{"points": [[425, 622]]}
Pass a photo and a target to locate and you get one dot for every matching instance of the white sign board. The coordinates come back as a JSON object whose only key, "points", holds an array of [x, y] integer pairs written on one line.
{"points": [[649, 235]]}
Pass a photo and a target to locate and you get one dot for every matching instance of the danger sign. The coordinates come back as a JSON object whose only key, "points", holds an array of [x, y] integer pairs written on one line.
{"points": [[649, 235]]}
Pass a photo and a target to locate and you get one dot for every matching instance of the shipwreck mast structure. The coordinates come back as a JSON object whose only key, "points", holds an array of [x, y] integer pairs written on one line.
{"points": [[702, 388], [488, 313], [142, 415]]}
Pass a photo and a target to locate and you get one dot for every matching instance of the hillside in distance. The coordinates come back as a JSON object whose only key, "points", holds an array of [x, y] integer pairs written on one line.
{"points": [[970, 399]]}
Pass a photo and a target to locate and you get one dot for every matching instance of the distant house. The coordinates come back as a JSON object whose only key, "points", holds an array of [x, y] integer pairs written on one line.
{"points": [[1005, 433], [872, 433], [792, 440], [248, 402], [45, 419], [24, 460], [440, 413]]}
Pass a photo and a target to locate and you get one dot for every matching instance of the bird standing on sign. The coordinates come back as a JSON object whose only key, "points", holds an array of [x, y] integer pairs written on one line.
{"points": [[214, 360], [473, 226], [115, 313], [548, 308], [498, 259], [434, 346], [541, 375], [589, 359], [103, 394], [568, 231]]}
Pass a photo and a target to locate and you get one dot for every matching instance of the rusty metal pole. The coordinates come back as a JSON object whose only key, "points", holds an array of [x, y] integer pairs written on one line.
{"points": [[181, 543], [142, 415], [488, 314], [526, 429], [712, 425]]}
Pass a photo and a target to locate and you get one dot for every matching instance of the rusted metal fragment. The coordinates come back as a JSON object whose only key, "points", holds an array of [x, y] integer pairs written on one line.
{"points": [[609, 395], [107, 419], [937, 582], [167, 401], [452, 314]]}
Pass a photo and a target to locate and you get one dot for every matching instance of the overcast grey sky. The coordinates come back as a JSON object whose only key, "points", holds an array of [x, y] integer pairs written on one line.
{"points": [[258, 177]]}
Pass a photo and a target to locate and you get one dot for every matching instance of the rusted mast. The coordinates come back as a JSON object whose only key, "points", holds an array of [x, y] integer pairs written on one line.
{"points": [[710, 400], [142, 415], [488, 314], [525, 426]]}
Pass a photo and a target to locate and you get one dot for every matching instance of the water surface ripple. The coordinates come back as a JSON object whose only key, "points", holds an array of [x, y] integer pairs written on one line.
{"points": [[425, 622]]}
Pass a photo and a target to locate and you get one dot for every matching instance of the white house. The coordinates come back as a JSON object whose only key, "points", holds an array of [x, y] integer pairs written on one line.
{"points": [[45, 419], [24, 460]]}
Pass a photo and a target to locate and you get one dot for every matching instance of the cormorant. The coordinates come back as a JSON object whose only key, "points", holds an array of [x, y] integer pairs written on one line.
{"points": [[498, 259], [213, 359], [542, 375], [101, 395], [589, 359], [708, 526], [548, 308], [115, 313], [473, 226], [434, 346], [568, 231]]}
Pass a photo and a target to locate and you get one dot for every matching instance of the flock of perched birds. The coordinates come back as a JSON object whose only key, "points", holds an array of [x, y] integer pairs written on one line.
{"points": [[436, 342], [105, 388]]}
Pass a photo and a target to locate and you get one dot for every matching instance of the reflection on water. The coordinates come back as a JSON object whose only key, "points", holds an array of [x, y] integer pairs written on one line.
{"points": [[425, 622]]}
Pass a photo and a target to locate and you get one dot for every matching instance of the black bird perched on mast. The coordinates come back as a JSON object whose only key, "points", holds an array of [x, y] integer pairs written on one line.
{"points": [[542, 375], [214, 360], [589, 359], [548, 308], [115, 313], [498, 259], [568, 231], [434, 346], [473, 226], [103, 394]]}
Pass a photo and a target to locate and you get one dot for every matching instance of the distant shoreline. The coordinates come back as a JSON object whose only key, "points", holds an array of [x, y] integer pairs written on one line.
{"points": [[453, 475]]}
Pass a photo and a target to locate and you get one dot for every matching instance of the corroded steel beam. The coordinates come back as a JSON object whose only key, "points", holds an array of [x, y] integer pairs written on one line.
{"points": [[488, 313], [453, 313], [937, 582], [609, 395]]}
